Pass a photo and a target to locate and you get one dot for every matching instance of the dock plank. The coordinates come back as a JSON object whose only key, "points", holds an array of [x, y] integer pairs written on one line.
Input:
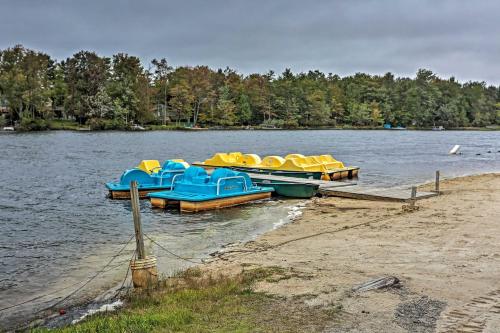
{"points": [[351, 189], [366, 193]]}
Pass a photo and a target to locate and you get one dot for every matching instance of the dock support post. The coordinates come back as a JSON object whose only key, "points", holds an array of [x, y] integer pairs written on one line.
{"points": [[144, 270], [437, 182], [413, 196]]}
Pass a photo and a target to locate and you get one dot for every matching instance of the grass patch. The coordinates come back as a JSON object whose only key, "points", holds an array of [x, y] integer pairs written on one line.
{"points": [[193, 301], [62, 124]]}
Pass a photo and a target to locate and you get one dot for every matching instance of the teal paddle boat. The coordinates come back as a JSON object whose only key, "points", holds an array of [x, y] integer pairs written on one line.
{"points": [[196, 191], [150, 177], [289, 189]]}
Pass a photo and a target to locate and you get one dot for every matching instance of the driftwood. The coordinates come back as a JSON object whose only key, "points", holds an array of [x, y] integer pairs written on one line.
{"points": [[378, 283]]}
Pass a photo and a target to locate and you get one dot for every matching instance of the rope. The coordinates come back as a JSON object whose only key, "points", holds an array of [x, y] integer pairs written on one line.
{"points": [[94, 276], [67, 287], [172, 253], [310, 236], [126, 276], [105, 268]]}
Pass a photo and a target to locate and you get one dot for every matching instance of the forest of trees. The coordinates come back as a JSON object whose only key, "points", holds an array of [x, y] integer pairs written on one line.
{"points": [[107, 93]]}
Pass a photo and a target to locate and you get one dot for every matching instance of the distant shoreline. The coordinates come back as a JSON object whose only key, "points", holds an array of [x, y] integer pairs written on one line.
{"points": [[76, 128]]}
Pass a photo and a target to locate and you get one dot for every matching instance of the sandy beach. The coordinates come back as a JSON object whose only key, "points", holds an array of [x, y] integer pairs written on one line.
{"points": [[445, 254]]}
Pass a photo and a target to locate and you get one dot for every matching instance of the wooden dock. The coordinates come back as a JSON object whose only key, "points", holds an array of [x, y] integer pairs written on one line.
{"points": [[352, 190], [368, 193], [321, 183]]}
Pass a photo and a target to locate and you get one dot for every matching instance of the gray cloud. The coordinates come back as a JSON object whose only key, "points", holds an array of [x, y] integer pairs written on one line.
{"points": [[451, 37]]}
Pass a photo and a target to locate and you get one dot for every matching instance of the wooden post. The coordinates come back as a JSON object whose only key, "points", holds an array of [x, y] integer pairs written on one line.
{"points": [[144, 270], [134, 198], [413, 195], [437, 182]]}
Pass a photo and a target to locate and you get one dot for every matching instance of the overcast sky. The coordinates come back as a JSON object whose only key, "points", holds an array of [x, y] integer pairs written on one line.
{"points": [[451, 37]]}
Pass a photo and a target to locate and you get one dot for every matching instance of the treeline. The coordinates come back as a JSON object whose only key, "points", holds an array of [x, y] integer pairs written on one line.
{"points": [[115, 92]]}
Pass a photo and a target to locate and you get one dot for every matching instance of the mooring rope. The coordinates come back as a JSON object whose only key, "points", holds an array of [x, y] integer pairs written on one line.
{"points": [[126, 276], [94, 276], [67, 287], [172, 253]]}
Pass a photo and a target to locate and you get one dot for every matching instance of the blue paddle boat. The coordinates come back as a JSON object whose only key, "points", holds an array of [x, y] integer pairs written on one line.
{"points": [[150, 177], [195, 190]]}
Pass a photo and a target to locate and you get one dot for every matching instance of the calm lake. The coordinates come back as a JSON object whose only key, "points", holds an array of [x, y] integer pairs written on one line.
{"points": [[57, 227]]}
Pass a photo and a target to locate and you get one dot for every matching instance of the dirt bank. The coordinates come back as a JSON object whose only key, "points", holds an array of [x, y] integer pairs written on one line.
{"points": [[446, 255]]}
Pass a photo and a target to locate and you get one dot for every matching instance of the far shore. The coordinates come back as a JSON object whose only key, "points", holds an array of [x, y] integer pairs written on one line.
{"points": [[441, 257], [59, 125]]}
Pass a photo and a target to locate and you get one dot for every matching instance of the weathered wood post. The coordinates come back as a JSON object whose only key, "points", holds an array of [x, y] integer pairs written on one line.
{"points": [[136, 213], [437, 182], [144, 270], [413, 196]]}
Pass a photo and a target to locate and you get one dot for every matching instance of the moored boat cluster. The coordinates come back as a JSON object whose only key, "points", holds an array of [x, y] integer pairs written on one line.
{"points": [[224, 179]]}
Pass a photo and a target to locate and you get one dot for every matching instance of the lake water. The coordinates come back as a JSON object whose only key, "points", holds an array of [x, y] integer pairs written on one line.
{"points": [[57, 227]]}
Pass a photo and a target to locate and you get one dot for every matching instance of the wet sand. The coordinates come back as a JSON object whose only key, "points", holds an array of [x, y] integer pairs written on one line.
{"points": [[446, 255]]}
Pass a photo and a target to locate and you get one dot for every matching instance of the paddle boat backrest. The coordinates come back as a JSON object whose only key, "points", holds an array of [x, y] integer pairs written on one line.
{"points": [[235, 157], [273, 161], [229, 181], [248, 180], [174, 165], [303, 164], [290, 156], [195, 175], [310, 160], [219, 159], [165, 175], [327, 158], [195, 181], [251, 160], [149, 166], [314, 159], [330, 162], [140, 176], [180, 160]]}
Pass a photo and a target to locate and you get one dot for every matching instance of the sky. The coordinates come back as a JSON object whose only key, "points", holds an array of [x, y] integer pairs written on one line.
{"points": [[450, 37]]}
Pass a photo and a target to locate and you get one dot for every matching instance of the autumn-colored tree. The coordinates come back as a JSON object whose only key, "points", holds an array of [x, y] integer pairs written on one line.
{"points": [[181, 101], [114, 92], [85, 74]]}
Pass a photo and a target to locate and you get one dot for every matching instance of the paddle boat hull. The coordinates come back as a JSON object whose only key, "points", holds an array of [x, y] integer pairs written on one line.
{"points": [[290, 190], [347, 172], [323, 167], [297, 174], [150, 177], [143, 191], [198, 206], [195, 191]]}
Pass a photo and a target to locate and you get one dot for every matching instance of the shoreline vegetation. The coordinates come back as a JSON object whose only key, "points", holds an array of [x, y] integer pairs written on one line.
{"points": [[119, 92], [68, 125], [303, 277]]}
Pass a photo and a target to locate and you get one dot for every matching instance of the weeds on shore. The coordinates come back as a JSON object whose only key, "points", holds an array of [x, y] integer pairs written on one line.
{"points": [[193, 301]]}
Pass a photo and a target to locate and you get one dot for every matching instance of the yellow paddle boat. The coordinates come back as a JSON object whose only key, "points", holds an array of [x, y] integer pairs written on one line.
{"points": [[296, 165]]}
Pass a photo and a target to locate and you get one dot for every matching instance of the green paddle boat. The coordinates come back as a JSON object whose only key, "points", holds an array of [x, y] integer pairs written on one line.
{"points": [[288, 189]]}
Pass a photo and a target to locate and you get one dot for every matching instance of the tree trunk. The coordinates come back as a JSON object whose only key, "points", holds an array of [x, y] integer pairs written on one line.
{"points": [[196, 111]]}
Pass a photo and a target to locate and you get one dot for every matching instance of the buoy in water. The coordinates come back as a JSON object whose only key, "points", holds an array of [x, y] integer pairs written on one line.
{"points": [[454, 150]]}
